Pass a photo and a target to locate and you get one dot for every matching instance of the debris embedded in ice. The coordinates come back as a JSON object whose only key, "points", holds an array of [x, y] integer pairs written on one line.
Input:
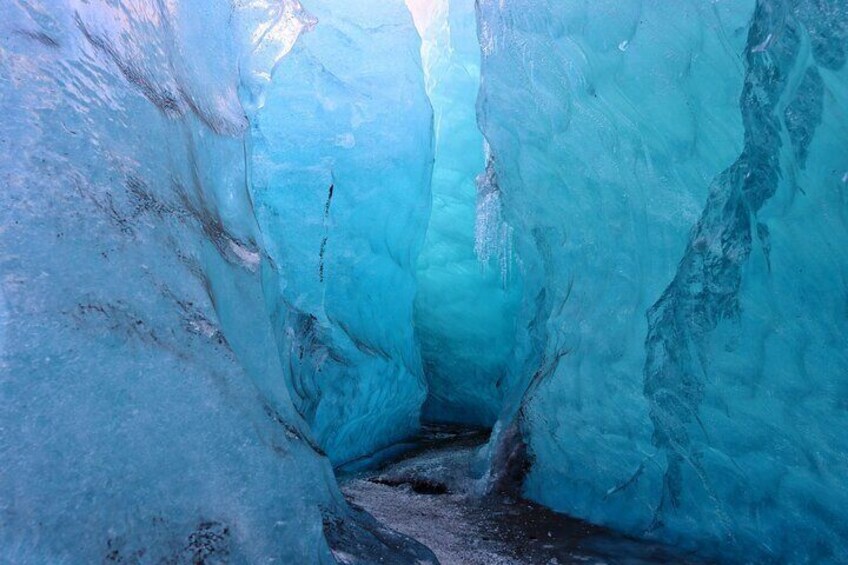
{"points": [[682, 424]]}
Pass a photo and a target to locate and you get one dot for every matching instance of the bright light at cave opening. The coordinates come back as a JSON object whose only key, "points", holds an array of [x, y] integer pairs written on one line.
{"points": [[425, 12]]}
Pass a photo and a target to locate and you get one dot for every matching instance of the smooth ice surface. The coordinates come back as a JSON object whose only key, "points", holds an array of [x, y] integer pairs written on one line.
{"points": [[675, 176], [343, 152], [464, 309]]}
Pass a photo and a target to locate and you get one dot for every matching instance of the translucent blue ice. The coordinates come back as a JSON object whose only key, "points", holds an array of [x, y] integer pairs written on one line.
{"points": [[341, 183], [242, 241], [674, 174], [464, 308], [144, 408]]}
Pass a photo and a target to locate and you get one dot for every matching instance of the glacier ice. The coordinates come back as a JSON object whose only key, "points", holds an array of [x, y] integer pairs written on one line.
{"points": [[144, 412], [675, 175], [342, 192], [140, 413], [243, 242], [464, 307]]}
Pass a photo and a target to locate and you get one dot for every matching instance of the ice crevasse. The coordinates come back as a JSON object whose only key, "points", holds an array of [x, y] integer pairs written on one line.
{"points": [[246, 242], [468, 290]]}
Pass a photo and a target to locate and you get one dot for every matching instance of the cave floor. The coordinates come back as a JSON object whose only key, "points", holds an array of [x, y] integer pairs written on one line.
{"points": [[427, 495]]}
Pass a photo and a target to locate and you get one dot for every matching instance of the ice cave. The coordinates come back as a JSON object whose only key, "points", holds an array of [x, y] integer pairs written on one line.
{"points": [[423, 281]]}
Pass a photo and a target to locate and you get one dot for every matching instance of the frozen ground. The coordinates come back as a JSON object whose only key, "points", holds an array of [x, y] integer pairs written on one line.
{"points": [[429, 496]]}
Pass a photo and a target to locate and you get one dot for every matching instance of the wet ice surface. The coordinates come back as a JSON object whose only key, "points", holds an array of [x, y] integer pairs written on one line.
{"points": [[428, 495]]}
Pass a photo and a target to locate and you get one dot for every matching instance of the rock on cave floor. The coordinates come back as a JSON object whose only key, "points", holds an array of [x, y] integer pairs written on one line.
{"points": [[427, 495]]}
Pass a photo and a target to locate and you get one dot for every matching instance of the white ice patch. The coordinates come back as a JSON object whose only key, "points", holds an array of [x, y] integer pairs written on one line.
{"points": [[248, 258], [345, 140]]}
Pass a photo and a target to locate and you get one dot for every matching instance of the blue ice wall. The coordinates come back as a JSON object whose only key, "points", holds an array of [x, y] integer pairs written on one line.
{"points": [[341, 184], [144, 415], [464, 309], [675, 177]]}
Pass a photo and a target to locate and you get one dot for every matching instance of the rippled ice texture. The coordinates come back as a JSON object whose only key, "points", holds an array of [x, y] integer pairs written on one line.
{"points": [[343, 156], [688, 160], [143, 411]]}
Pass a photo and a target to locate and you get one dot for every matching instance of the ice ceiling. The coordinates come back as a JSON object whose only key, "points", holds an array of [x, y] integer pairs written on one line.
{"points": [[243, 243]]}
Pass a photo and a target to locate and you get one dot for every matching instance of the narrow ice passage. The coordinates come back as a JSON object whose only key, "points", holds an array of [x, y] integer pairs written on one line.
{"points": [[468, 289], [257, 256]]}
